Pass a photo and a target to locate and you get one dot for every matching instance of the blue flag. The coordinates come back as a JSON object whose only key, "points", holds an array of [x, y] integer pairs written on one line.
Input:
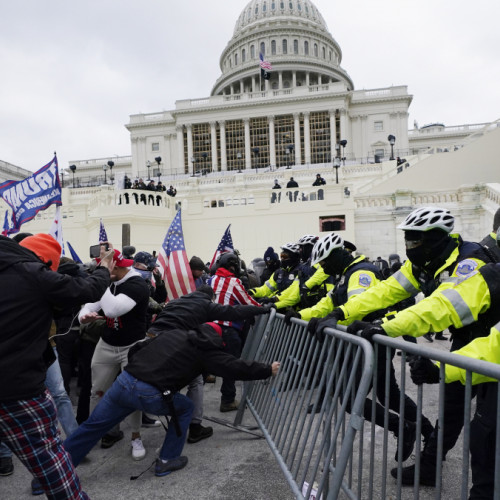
{"points": [[74, 256], [6, 226], [33, 194]]}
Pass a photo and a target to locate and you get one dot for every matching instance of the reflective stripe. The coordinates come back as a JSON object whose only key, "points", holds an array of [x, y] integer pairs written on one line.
{"points": [[405, 283], [460, 306], [452, 279], [355, 292], [272, 288]]}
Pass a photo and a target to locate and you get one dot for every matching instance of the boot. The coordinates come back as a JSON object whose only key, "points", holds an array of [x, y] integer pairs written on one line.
{"points": [[428, 337], [440, 336], [310, 408], [197, 432], [427, 472], [409, 435]]}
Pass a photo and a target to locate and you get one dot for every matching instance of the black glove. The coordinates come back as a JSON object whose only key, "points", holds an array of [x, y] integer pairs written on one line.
{"points": [[289, 315], [267, 300], [311, 326], [424, 371], [266, 309], [329, 321], [366, 329]]}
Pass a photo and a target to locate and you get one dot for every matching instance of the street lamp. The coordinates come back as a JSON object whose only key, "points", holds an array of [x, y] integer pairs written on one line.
{"points": [[73, 169], [238, 156], [158, 161], [343, 143], [289, 151], [148, 164], [62, 179], [256, 155], [105, 168], [392, 141], [204, 156], [193, 161], [336, 165], [111, 164]]}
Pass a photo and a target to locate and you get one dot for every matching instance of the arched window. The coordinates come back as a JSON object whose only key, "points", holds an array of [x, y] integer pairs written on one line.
{"points": [[235, 59], [299, 7], [256, 9], [243, 55], [263, 48], [273, 5], [252, 51], [295, 46], [330, 55], [323, 50], [316, 49], [264, 7], [290, 4], [306, 48], [285, 47], [282, 5], [273, 47]]}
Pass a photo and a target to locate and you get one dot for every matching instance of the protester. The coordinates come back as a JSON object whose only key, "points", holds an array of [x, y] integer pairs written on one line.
{"points": [[27, 412]]}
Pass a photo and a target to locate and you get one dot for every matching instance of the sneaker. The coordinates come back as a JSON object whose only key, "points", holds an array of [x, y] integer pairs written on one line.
{"points": [[163, 468], [36, 487], [229, 406], [197, 432], [149, 422], [409, 436], [427, 474], [108, 440], [138, 450], [6, 466], [428, 337]]}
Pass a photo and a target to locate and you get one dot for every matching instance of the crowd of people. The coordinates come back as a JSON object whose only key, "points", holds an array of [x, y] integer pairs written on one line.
{"points": [[137, 350]]}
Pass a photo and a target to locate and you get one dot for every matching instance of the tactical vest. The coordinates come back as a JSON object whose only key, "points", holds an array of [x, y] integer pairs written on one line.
{"points": [[491, 248], [284, 278], [310, 297], [491, 274], [428, 284]]}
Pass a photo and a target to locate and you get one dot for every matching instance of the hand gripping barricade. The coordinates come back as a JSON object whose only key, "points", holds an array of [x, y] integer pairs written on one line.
{"points": [[328, 447]]}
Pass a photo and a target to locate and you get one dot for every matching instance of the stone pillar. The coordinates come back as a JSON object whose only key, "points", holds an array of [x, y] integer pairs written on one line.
{"points": [[307, 78], [248, 149], [272, 145], [333, 135], [223, 157], [344, 131], [307, 139], [364, 137], [296, 137], [135, 158], [180, 149], [294, 79], [254, 88], [242, 87], [189, 129], [213, 137], [280, 80], [167, 155]]}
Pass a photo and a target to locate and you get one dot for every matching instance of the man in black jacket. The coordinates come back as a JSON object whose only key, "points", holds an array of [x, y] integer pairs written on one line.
{"points": [[27, 414], [157, 370], [190, 311]]}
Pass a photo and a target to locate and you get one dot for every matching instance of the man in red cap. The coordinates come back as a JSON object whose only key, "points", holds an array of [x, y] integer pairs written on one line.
{"points": [[124, 306], [32, 289]]}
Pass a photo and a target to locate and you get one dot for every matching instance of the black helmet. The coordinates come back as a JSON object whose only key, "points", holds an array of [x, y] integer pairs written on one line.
{"points": [[228, 260]]}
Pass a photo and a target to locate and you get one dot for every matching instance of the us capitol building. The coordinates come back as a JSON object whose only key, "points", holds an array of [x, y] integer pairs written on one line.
{"points": [[224, 152]]}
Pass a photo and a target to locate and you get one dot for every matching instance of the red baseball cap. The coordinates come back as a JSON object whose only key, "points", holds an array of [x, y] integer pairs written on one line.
{"points": [[119, 260]]}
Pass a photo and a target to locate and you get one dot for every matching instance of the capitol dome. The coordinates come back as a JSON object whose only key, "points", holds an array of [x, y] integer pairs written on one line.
{"points": [[293, 36]]}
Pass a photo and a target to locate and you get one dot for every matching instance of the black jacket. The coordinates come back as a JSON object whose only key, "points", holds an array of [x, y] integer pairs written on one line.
{"points": [[30, 292], [176, 357], [190, 311]]}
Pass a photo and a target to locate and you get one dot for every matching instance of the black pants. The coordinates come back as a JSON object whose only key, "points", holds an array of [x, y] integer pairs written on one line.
{"points": [[232, 339], [87, 349], [482, 442], [67, 351]]}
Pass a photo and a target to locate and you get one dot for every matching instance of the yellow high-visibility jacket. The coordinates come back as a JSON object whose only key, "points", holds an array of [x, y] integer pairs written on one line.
{"points": [[359, 281], [271, 287], [458, 300]]}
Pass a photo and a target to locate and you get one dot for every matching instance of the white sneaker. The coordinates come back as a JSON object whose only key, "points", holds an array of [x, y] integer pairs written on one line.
{"points": [[138, 450]]}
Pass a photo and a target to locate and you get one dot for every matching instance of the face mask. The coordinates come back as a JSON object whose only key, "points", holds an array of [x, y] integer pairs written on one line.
{"points": [[336, 262], [145, 274], [417, 255]]}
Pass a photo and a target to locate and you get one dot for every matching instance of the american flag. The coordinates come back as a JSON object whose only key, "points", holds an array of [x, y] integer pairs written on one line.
{"points": [[265, 64], [173, 262], [102, 233], [225, 245], [56, 229]]}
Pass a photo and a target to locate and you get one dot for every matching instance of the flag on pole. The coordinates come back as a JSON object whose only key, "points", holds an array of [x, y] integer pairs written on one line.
{"points": [[225, 245], [74, 255], [56, 229], [102, 233], [265, 67], [173, 262], [6, 225]]}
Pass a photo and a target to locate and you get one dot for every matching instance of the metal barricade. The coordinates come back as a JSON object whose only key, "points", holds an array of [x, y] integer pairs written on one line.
{"points": [[311, 436]]}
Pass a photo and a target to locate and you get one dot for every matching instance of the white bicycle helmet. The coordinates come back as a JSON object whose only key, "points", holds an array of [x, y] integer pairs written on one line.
{"points": [[308, 239], [427, 218], [291, 248], [324, 247]]}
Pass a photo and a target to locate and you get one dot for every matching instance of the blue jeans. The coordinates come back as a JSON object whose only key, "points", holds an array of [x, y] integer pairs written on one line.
{"points": [[55, 384], [126, 395]]}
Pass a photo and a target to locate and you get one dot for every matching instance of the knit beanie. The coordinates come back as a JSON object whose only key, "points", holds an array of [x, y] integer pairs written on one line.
{"points": [[270, 254], [45, 247]]}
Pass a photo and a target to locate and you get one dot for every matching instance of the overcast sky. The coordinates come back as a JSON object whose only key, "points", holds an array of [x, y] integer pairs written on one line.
{"points": [[73, 72]]}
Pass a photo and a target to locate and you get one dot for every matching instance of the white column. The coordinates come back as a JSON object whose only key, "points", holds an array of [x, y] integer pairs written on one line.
{"points": [[307, 79], [296, 136], [223, 157], [364, 138], [180, 150], [344, 131], [333, 135], [280, 80], [294, 79], [135, 158], [307, 139], [242, 87], [189, 129], [272, 145], [167, 155], [248, 150], [213, 137], [254, 88]]}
